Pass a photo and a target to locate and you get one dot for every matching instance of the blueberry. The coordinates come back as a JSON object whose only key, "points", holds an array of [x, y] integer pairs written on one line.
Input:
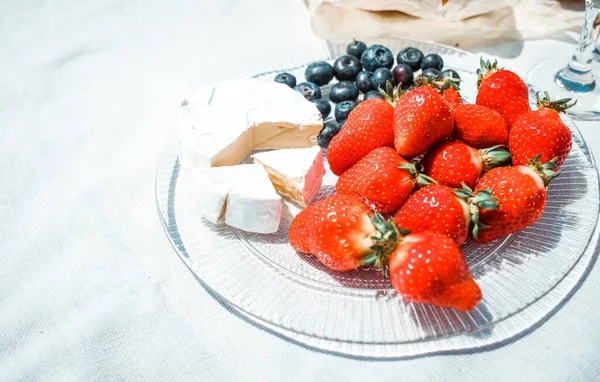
{"points": [[343, 109], [319, 72], [329, 130], [356, 48], [323, 105], [431, 74], [410, 56], [432, 61], [343, 91], [309, 90], [374, 94], [286, 78], [363, 81], [404, 75], [446, 74], [381, 77], [377, 56], [346, 68]]}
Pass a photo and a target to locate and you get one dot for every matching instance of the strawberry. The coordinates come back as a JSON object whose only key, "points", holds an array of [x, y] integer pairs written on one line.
{"points": [[343, 233], [521, 191], [421, 119], [479, 126], [541, 131], [452, 96], [428, 267], [382, 179], [369, 125], [441, 209], [502, 90], [452, 162]]}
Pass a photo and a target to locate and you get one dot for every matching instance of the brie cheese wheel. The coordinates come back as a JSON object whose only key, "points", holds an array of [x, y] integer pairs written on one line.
{"points": [[295, 173], [219, 126], [241, 196]]}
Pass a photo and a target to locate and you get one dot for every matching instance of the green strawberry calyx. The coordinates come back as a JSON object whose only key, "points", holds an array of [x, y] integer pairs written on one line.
{"points": [[440, 85], [495, 156], [482, 200], [547, 171], [389, 94], [385, 241], [486, 69], [416, 172], [560, 106]]}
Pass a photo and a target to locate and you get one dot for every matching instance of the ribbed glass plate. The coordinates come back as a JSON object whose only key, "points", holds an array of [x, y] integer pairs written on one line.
{"points": [[524, 278]]}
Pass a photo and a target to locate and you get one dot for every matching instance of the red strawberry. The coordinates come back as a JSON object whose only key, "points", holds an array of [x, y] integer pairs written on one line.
{"points": [[382, 179], [452, 162], [428, 267], [448, 87], [441, 209], [369, 125], [521, 191], [503, 91], [541, 131], [452, 97], [421, 119], [343, 233], [479, 126]]}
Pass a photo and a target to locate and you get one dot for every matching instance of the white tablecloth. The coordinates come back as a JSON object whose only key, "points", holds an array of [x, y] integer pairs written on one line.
{"points": [[90, 288]]}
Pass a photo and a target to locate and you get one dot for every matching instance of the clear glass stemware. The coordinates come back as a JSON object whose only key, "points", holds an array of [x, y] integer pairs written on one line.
{"points": [[576, 79]]}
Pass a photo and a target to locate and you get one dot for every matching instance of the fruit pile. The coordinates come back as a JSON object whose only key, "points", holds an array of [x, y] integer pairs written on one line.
{"points": [[364, 70], [419, 171]]}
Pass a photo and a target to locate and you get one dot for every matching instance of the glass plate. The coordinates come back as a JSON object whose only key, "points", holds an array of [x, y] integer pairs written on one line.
{"points": [[524, 277]]}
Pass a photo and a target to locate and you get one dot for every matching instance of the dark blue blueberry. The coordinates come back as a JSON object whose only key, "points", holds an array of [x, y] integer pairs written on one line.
{"points": [[404, 75], [381, 76], [286, 78], [433, 61], [375, 57], [343, 109], [319, 72], [363, 81], [446, 74], [374, 94], [346, 68], [323, 105], [431, 74], [356, 48], [329, 130], [410, 56], [309, 90], [343, 91]]}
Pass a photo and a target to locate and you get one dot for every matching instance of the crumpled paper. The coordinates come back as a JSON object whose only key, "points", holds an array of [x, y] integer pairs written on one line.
{"points": [[467, 22]]}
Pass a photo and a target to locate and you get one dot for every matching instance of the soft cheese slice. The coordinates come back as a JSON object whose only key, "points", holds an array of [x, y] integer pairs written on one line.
{"points": [[241, 196], [241, 116], [295, 173], [213, 137]]}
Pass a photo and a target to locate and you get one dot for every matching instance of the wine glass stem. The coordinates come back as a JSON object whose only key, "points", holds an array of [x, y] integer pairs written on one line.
{"points": [[577, 76]]}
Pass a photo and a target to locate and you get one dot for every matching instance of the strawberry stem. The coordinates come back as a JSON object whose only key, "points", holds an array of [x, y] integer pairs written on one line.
{"points": [[495, 156], [559, 106], [389, 94], [482, 200], [547, 171], [384, 242], [417, 175], [440, 85], [486, 68]]}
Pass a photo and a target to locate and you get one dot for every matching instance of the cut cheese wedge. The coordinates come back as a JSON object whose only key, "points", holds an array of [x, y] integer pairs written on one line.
{"points": [[295, 173], [220, 127], [241, 196]]}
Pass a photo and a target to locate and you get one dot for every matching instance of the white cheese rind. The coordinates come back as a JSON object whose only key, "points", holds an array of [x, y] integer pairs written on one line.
{"points": [[220, 125], [241, 196], [295, 173]]}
